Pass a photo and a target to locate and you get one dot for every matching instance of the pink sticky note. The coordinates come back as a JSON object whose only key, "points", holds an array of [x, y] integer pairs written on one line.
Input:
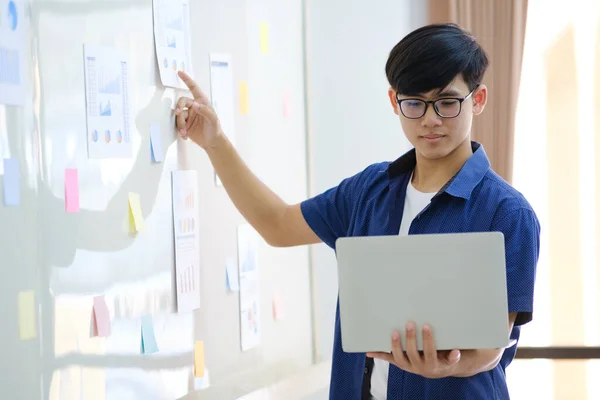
{"points": [[71, 190], [100, 317], [278, 311]]}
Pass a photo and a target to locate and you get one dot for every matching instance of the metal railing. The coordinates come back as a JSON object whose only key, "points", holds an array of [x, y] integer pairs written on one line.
{"points": [[559, 353]]}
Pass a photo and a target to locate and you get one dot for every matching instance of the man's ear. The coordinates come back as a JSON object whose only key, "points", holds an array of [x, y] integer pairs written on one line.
{"points": [[479, 99], [393, 101]]}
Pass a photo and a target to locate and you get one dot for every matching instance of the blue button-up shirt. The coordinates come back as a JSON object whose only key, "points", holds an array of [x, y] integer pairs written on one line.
{"points": [[476, 199]]}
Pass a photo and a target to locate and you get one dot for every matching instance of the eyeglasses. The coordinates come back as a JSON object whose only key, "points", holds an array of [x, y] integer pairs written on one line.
{"points": [[447, 107]]}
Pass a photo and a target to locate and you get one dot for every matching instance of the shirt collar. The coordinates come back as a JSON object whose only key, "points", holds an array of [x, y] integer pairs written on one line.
{"points": [[461, 184]]}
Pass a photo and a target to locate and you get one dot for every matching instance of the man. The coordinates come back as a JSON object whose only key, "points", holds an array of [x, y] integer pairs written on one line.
{"points": [[443, 185]]}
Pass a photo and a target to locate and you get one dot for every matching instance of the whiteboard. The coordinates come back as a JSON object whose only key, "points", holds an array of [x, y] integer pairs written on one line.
{"points": [[67, 259]]}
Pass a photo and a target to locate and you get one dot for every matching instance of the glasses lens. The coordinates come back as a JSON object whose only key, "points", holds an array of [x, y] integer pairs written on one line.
{"points": [[413, 108], [448, 108]]}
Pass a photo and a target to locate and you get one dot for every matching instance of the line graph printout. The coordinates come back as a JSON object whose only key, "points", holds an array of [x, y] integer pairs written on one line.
{"points": [[172, 40], [221, 93], [248, 241], [12, 52], [107, 102], [187, 252]]}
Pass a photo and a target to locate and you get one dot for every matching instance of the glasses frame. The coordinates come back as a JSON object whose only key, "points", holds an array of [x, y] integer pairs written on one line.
{"points": [[433, 103]]}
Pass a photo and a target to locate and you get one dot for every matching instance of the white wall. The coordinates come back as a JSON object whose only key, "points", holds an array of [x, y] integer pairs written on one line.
{"points": [[67, 258], [350, 120]]}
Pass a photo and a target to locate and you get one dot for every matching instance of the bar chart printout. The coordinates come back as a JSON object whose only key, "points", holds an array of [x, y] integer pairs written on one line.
{"points": [[12, 52], [187, 252], [107, 102]]}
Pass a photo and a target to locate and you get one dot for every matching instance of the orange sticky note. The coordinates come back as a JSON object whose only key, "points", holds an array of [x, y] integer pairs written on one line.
{"points": [[244, 108], [100, 317], [264, 38], [27, 326], [136, 218], [199, 359], [71, 190], [278, 311]]}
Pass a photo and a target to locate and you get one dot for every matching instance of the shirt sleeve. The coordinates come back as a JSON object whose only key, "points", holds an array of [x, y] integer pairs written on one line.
{"points": [[521, 231], [330, 213]]}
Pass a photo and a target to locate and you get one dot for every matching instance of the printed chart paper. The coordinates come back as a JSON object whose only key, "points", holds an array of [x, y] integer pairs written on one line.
{"points": [[12, 52], [248, 241], [221, 93], [172, 40], [187, 253], [107, 98]]}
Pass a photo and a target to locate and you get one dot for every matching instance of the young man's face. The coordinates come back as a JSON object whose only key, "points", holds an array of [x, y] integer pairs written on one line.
{"points": [[432, 136]]}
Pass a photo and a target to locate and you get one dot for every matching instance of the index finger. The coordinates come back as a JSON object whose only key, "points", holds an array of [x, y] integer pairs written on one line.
{"points": [[193, 86], [429, 348]]}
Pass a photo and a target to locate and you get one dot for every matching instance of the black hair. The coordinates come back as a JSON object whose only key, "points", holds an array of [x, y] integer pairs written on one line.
{"points": [[430, 57]]}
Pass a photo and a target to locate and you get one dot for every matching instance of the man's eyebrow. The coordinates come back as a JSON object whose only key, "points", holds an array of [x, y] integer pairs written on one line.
{"points": [[449, 92]]}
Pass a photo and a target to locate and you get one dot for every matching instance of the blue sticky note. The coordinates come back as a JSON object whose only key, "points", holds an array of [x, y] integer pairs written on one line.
{"points": [[11, 188], [231, 275], [148, 345], [156, 143]]}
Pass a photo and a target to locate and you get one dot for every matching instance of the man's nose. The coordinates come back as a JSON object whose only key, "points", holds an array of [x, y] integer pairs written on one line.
{"points": [[431, 119]]}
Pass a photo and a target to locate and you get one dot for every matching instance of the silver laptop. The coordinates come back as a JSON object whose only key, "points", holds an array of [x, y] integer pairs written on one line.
{"points": [[455, 283]]}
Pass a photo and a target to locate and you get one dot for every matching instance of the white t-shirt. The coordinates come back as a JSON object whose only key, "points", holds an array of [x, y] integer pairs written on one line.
{"points": [[414, 203]]}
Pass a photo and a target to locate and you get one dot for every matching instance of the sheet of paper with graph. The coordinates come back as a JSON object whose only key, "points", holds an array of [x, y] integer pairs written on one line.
{"points": [[172, 40], [107, 102], [248, 242], [187, 252], [13, 33]]}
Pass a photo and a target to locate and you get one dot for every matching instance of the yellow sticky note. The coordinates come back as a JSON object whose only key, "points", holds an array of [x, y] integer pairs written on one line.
{"points": [[264, 38], [27, 329], [135, 213], [244, 98], [199, 359], [132, 228]]}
